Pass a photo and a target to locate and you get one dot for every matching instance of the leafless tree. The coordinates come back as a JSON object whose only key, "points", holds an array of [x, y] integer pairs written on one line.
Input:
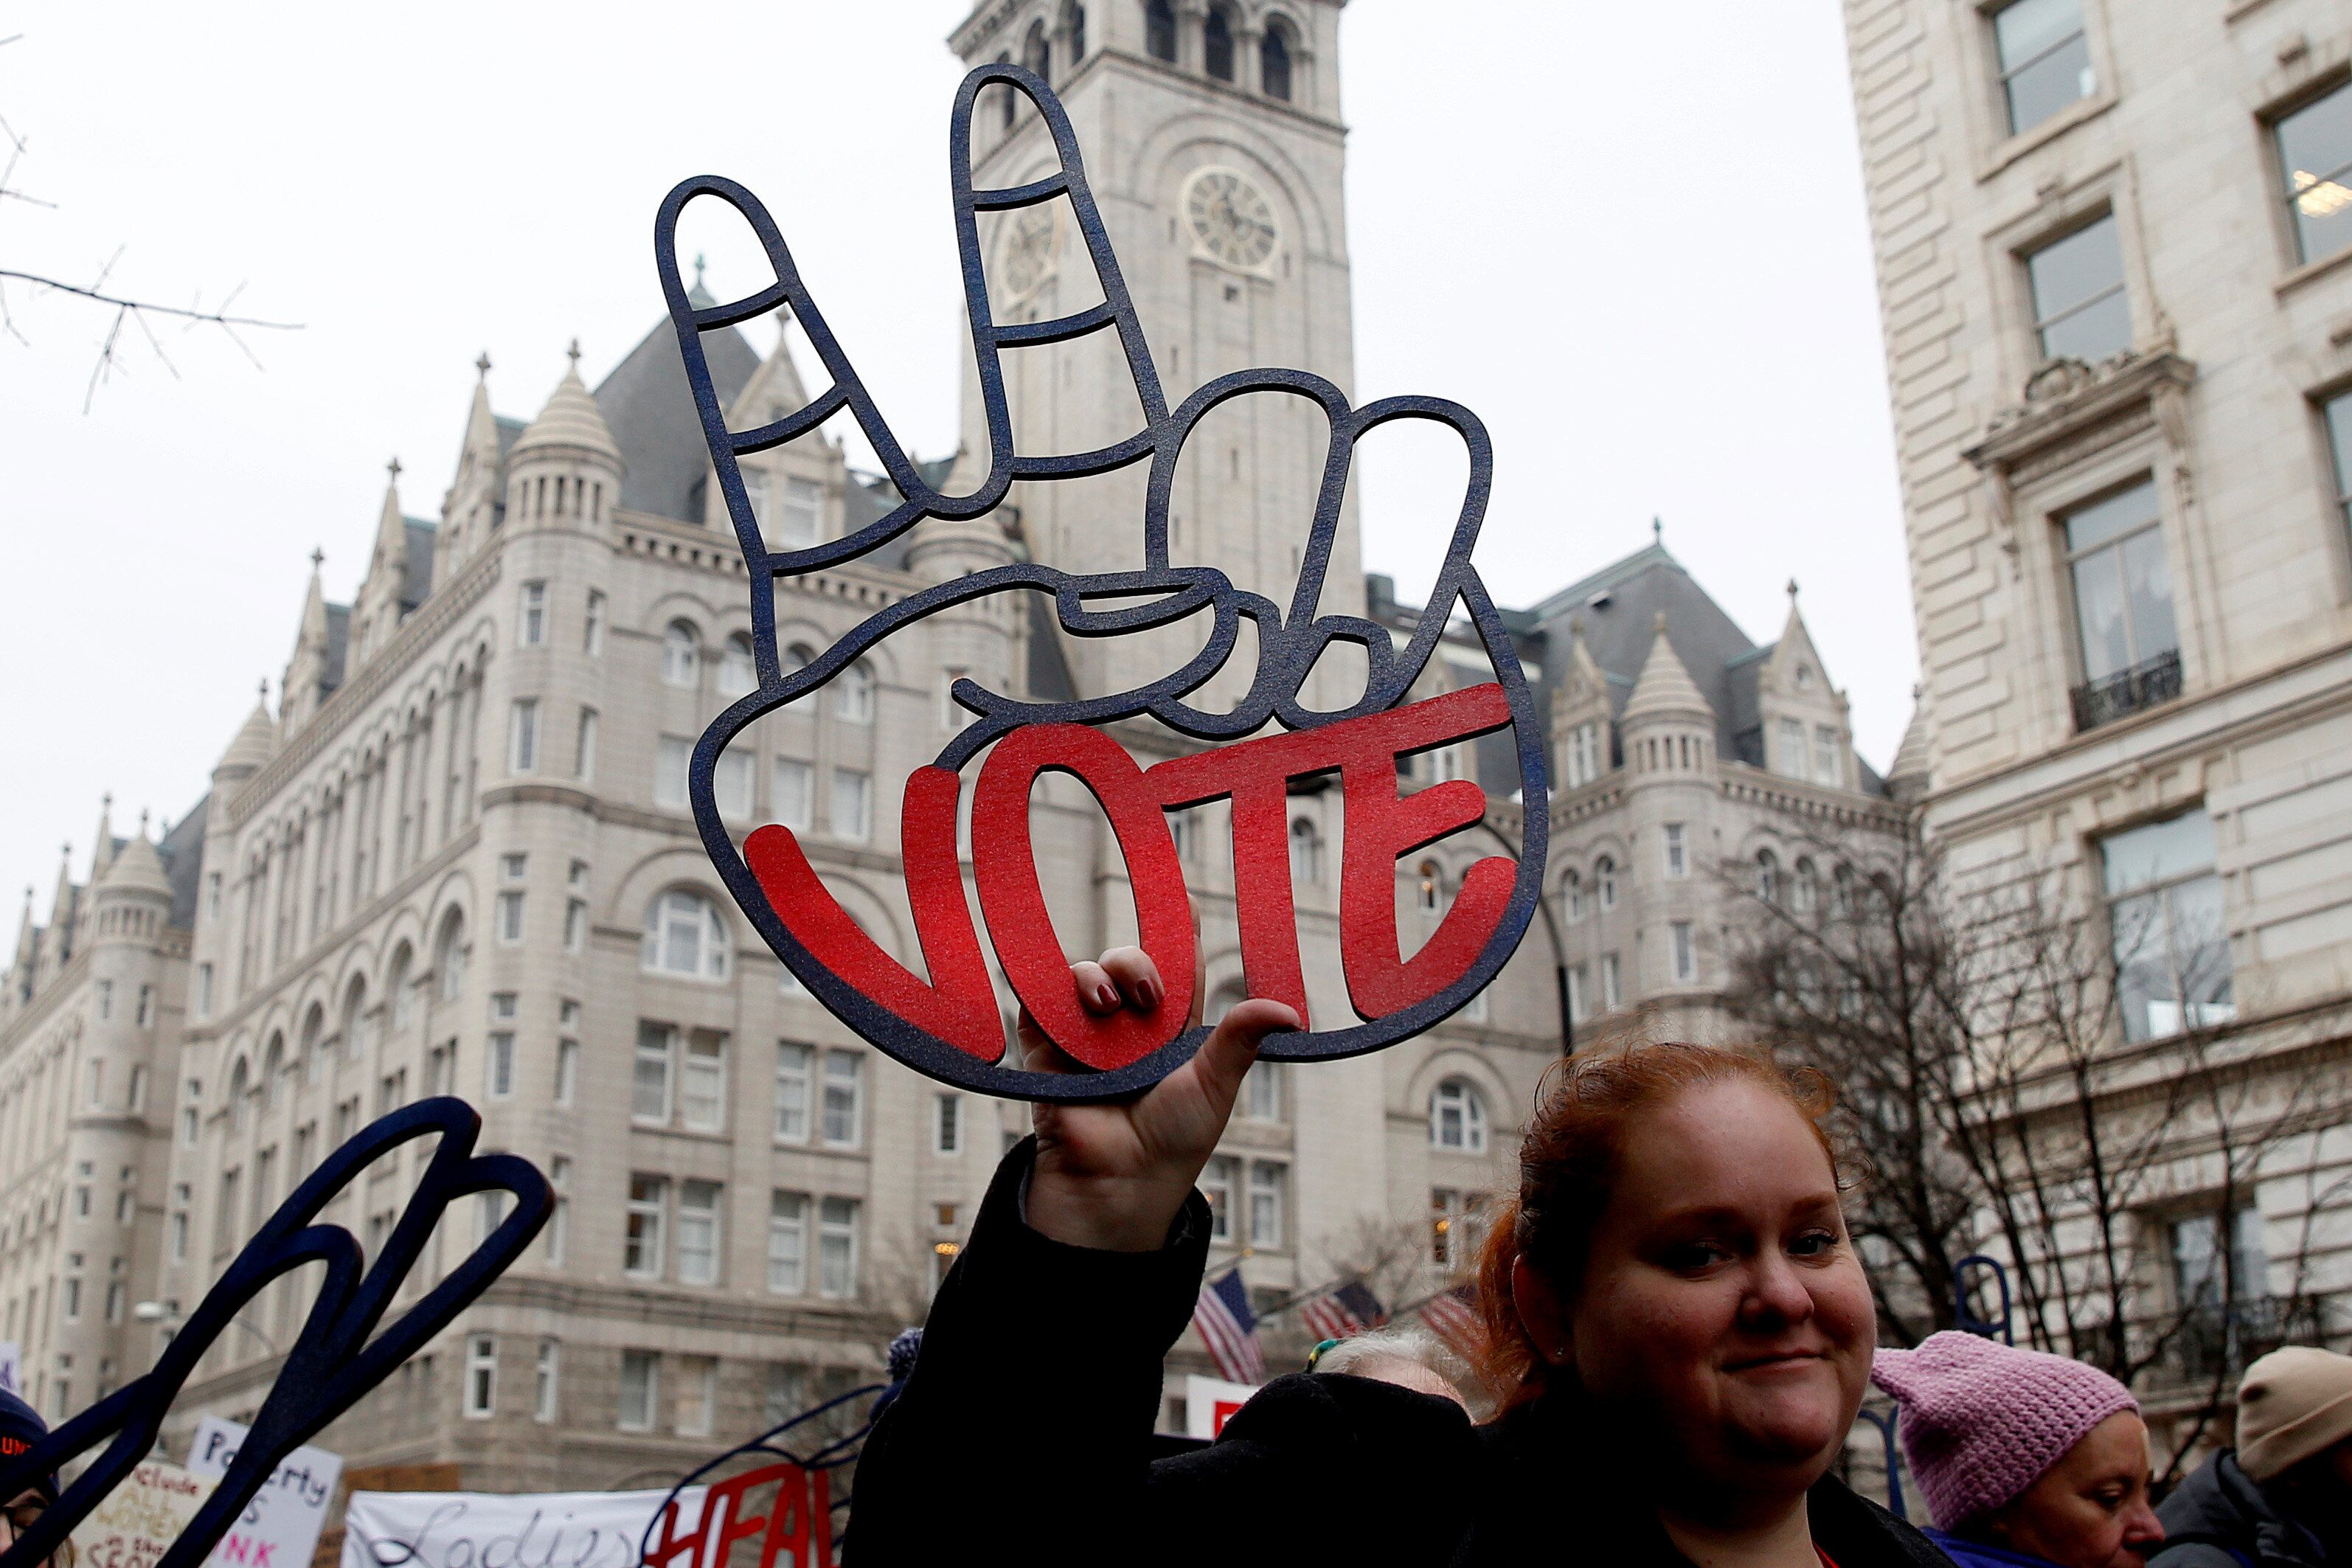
{"points": [[124, 311], [1976, 1029]]}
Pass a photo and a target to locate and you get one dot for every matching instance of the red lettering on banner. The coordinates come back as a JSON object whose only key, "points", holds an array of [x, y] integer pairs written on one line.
{"points": [[799, 1521], [959, 1005]]}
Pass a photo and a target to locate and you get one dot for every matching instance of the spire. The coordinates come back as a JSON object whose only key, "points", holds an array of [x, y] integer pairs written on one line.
{"points": [[256, 742], [700, 297], [392, 526], [570, 419], [102, 849], [1906, 775], [1665, 688]]}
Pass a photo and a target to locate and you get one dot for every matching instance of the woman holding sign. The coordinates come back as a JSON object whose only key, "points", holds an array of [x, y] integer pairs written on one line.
{"points": [[1676, 1322]]}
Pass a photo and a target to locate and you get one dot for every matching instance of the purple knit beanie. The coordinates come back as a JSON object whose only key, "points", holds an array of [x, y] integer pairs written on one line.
{"points": [[1982, 1422]]}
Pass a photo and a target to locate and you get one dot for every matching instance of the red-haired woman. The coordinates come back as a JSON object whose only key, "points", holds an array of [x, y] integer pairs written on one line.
{"points": [[1678, 1327]]}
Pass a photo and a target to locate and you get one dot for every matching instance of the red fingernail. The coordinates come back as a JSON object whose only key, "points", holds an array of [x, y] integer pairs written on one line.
{"points": [[1151, 996], [1106, 996]]}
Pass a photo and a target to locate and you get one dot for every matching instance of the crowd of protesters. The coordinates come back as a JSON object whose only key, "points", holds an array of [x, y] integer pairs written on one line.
{"points": [[1677, 1336]]}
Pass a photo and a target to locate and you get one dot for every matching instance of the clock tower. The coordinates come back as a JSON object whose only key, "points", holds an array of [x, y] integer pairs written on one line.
{"points": [[1214, 146]]}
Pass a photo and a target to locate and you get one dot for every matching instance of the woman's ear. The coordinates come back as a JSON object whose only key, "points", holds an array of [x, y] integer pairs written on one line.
{"points": [[1540, 1311]]}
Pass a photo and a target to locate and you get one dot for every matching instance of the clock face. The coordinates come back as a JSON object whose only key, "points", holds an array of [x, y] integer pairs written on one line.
{"points": [[1030, 249], [1229, 217]]}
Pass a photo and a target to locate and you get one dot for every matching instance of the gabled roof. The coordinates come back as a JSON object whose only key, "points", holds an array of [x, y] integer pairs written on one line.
{"points": [[650, 411], [183, 850], [417, 581], [339, 642]]}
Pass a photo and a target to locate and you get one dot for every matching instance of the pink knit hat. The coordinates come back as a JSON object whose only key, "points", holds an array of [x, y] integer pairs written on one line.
{"points": [[1982, 1421]]}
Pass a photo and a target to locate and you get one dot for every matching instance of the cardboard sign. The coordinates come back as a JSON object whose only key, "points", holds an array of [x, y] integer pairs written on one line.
{"points": [[280, 1527], [138, 1521], [796, 1522], [484, 1529], [1210, 1402], [947, 1022]]}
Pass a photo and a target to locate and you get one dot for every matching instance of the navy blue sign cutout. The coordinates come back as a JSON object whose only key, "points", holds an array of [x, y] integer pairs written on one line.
{"points": [[339, 1355], [1290, 639]]}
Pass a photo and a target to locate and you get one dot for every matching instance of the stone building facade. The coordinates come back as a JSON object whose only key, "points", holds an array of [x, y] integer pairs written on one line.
{"points": [[2113, 263]]}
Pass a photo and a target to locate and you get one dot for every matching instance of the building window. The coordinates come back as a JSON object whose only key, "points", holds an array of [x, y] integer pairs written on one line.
{"points": [[1583, 753], [697, 1233], [853, 699], [1767, 876], [683, 935], [1677, 852], [2337, 413], [670, 754], [1571, 897], [499, 1064], [1267, 1184], [2046, 61], [558, 1224], [702, 1084], [2315, 153], [583, 747], [1604, 877], [1034, 52], [2164, 911], [508, 910], [204, 990], [1216, 1184], [1306, 855], [2216, 1262], [481, 1376], [1683, 951], [1160, 30], [730, 785], [792, 1091], [1829, 766], [1580, 993], [681, 654], [844, 1073], [2080, 310], [567, 1071], [1262, 1092], [575, 925], [530, 626], [1274, 64], [591, 640], [787, 1243], [640, 1388], [1789, 749], [850, 813], [649, 1084], [947, 1124], [1612, 984], [836, 1248], [797, 528], [698, 1394], [1217, 44], [794, 786], [2122, 606], [1457, 1118], [522, 736], [145, 1016], [736, 674], [544, 1397], [641, 1251], [1804, 889]]}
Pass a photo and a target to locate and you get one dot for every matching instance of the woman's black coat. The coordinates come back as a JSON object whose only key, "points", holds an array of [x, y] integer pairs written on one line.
{"points": [[1025, 1433]]}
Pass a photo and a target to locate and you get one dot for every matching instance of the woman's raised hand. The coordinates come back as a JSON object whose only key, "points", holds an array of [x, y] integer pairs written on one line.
{"points": [[1114, 1176]]}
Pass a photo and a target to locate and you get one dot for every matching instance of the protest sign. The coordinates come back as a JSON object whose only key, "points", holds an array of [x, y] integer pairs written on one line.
{"points": [[1210, 1402], [136, 1522], [482, 1529], [280, 1527]]}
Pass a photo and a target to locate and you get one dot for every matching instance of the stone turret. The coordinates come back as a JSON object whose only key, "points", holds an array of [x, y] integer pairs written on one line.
{"points": [[1668, 724], [1907, 776], [256, 743], [565, 469]]}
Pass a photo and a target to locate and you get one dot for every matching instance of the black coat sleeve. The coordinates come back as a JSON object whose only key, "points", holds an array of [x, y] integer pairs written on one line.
{"points": [[1026, 1423]]}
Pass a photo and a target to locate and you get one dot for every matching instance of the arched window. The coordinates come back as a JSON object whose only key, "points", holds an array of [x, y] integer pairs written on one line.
{"points": [[1767, 876], [1804, 889], [401, 995], [1217, 44], [1457, 1118], [1571, 897], [680, 654], [1035, 53], [1074, 25], [355, 1018], [1427, 890], [1604, 879], [853, 699], [239, 1088], [273, 1072], [449, 956], [314, 1030], [683, 935], [1273, 63], [1160, 30], [1306, 855], [735, 670], [1005, 97], [1842, 891]]}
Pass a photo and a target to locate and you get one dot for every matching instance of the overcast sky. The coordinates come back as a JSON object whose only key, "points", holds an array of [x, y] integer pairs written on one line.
{"points": [[1630, 238]]}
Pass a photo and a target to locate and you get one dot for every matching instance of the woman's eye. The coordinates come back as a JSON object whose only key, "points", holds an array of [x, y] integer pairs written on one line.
{"points": [[1814, 1244], [1694, 1255]]}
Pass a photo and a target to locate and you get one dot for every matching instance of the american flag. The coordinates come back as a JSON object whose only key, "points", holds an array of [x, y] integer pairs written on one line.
{"points": [[1452, 1318], [1229, 1328], [1350, 1309]]}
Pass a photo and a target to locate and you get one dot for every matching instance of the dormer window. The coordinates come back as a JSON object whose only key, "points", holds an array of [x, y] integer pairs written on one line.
{"points": [[1804, 677]]}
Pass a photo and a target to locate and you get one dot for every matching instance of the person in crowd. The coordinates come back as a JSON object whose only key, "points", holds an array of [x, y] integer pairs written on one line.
{"points": [[2025, 1459], [21, 1429], [1402, 1353], [2282, 1498], [1680, 1333]]}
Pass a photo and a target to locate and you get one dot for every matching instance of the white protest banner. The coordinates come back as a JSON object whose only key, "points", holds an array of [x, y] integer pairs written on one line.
{"points": [[12, 1368], [482, 1529], [133, 1525], [280, 1527], [1209, 1401]]}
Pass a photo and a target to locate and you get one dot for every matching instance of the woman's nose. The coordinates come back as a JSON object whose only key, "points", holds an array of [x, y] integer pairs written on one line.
{"points": [[2141, 1527], [1777, 1292]]}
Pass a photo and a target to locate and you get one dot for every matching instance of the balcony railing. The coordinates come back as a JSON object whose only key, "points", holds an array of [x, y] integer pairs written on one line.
{"points": [[2112, 697], [2217, 1342]]}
